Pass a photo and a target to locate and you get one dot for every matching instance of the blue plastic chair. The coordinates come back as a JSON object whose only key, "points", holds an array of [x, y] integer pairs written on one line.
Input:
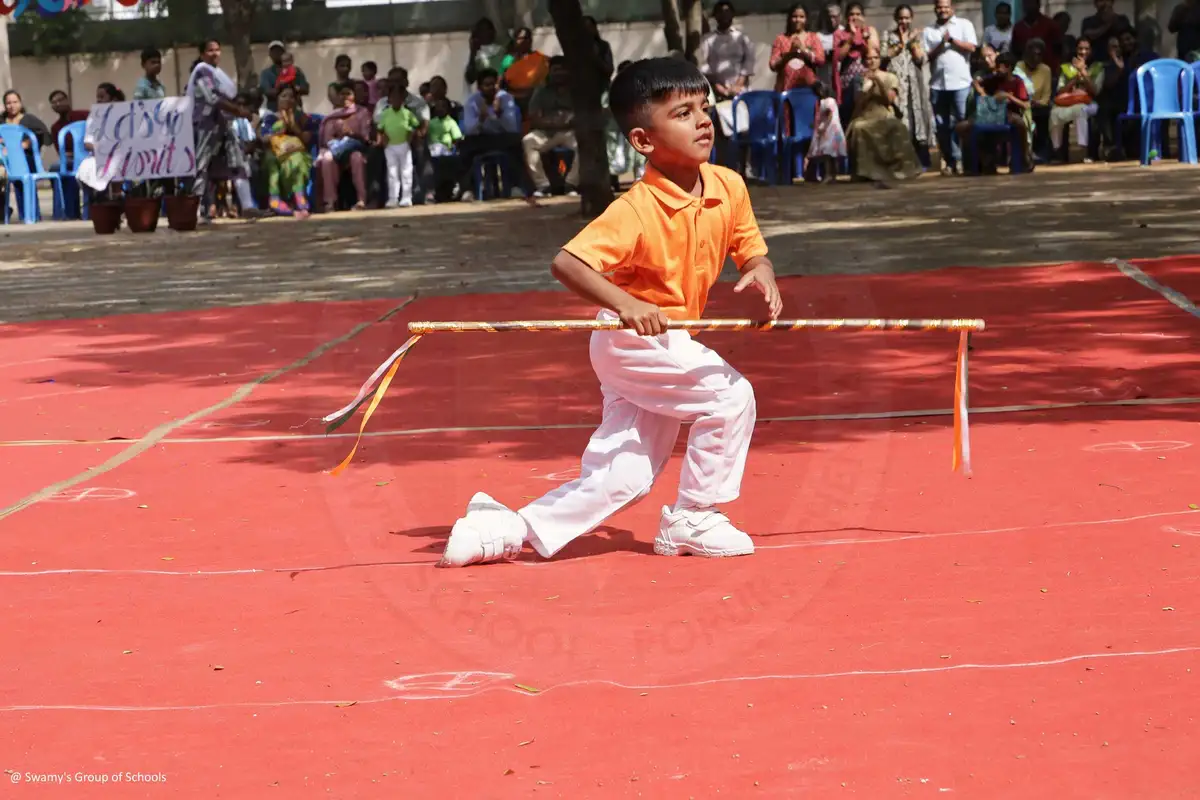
{"points": [[68, 165], [803, 106], [1016, 147], [762, 139], [1165, 89], [19, 172]]}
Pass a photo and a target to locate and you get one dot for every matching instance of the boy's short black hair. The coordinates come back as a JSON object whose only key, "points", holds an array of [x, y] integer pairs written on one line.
{"points": [[150, 53], [484, 74], [723, 4], [371, 65], [56, 93], [1007, 59], [650, 81]]}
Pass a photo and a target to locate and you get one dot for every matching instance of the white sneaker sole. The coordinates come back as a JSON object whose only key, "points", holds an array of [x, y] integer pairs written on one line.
{"points": [[665, 548]]}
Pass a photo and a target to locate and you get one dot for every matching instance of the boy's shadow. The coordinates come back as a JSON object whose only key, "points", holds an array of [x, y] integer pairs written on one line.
{"points": [[605, 539]]}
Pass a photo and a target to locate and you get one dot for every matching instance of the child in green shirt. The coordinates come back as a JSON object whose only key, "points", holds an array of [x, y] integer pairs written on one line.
{"points": [[397, 124], [443, 130]]}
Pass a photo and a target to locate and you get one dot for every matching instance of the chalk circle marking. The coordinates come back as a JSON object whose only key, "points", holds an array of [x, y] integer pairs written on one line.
{"points": [[437, 685], [1181, 531], [1137, 447], [91, 493], [562, 476], [257, 423]]}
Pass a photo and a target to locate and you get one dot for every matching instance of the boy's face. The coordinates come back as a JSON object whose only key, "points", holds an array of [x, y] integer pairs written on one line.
{"points": [[437, 88], [152, 66], [347, 98], [487, 88], [369, 72], [1003, 70], [677, 131], [60, 103], [342, 68], [1003, 17]]}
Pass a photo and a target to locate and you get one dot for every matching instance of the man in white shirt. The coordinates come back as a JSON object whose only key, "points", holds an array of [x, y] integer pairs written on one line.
{"points": [[949, 44]]}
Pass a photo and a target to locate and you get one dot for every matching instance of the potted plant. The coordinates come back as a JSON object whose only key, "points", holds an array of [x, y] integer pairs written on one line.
{"points": [[105, 212], [143, 203], [182, 208]]}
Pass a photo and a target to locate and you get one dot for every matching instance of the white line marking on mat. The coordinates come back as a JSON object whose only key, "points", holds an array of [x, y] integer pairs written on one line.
{"points": [[63, 393], [566, 562], [1137, 447], [498, 686], [869, 415], [1170, 295], [156, 436], [91, 493]]}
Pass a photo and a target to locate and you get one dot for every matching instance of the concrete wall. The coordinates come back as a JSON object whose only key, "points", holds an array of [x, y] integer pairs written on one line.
{"points": [[426, 55]]}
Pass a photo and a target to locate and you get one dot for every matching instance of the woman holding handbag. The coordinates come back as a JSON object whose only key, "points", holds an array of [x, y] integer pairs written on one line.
{"points": [[1075, 101]]}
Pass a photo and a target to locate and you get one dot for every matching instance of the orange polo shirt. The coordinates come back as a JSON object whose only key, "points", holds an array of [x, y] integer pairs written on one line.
{"points": [[666, 247]]}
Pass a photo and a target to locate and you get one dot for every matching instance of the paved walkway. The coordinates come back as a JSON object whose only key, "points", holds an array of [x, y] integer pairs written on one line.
{"points": [[59, 270]]}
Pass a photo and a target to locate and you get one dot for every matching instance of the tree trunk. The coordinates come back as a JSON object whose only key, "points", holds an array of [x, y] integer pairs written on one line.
{"points": [[239, 19], [672, 25], [694, 25], [595, 190]]}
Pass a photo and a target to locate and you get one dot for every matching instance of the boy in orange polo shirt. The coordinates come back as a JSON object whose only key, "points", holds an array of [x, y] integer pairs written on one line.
{"points": [[651, 256]]}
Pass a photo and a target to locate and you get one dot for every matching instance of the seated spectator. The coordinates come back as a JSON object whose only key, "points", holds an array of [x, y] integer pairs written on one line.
{"points": [[245, 129], [1033, 68], [362, 95], [551, 116], [527, 70], [341, 68], [287, 161], [108, 93], [344, 138], [1075, 100], [14, 114], [828, 143], [149, 87], [1002, 98], [881, 147], [1037, 25], [61, 105], [492, 122], [437, 91]]}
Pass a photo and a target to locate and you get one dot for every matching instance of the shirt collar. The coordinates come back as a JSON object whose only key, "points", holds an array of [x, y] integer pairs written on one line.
{"points": [[676, 198]]}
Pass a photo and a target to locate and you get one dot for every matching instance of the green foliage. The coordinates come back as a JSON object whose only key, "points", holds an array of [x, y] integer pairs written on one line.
{"points": [[54, 36]]}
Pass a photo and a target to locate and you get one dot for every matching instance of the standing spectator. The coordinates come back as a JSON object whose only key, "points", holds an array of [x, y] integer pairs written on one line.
{"points": [[1068, 41], [269, 82], [492, 121], [441, 141], [1103, 25], [999, 36], [796, 53], [149, 87], [370, 76], [551, 114], [1185, 24], [398, 76], [1124, 58], [219, 155], [726, 58], [906, 60], [341, 68], [603, 51], [1036, 25], [949, 45], [526, 71], [397, 124], [438, 91], [851, 45], [486, 53], [829, 21], [61, 105]]}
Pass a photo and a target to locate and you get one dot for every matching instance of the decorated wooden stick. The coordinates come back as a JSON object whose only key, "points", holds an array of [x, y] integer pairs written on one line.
{"points": [[704, 325], [381, 379]]}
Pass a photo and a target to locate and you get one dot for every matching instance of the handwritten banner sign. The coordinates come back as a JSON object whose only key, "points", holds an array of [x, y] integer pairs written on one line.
{"points": [[140, 140]]}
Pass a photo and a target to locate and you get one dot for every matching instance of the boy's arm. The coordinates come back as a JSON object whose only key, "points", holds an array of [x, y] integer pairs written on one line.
{"points": [[748, 250], [646, 318]]}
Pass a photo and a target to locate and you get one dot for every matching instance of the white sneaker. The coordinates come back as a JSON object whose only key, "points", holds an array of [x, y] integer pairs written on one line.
{"points": [[700, 532], [405, 204], [391, 204], [490, 531]]}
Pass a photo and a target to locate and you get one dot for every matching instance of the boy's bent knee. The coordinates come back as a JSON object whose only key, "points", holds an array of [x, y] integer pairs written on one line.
{"points": [[629, 477], [736, 399]]}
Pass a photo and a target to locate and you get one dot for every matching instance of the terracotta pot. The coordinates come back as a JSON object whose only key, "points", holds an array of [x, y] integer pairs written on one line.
{"points": [[106, 217], [142, 213], [181, 211]]}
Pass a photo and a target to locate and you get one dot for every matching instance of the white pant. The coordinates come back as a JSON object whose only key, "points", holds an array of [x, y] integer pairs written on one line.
{"points": [[650, 386], [537, 142], [1061, 116], [399, 172]]}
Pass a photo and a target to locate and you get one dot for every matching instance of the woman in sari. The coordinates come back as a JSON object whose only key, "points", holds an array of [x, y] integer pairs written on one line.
{"points": [[344, 139], [881, 147], [219, 153], [525, 69], [287, 161], [906, 60]]}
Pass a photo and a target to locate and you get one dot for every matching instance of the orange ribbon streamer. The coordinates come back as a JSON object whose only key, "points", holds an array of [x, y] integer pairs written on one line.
{"points": [[962, 436]]}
